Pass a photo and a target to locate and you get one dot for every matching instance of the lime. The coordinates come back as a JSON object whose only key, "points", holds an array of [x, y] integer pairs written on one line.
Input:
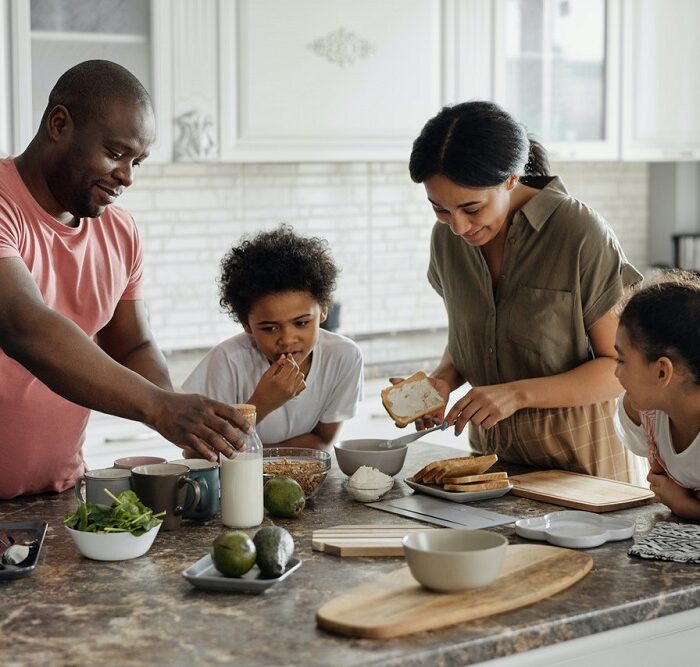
{"points": [[283, 496], [233, 553]]}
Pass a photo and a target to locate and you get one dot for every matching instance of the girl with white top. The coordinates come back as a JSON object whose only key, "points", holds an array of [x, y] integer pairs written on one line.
{"points": [[303, 380], [658, 347]]}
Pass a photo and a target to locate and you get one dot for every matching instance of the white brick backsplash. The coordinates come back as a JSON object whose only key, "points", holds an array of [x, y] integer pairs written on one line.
{"points": [[376, 220]]}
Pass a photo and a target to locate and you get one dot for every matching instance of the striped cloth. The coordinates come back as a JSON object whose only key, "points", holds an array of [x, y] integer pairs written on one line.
{"points": [[678, 542]]}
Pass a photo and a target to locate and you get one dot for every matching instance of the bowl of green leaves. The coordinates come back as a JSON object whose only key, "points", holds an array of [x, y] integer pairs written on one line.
{"points": [[124, 530]]}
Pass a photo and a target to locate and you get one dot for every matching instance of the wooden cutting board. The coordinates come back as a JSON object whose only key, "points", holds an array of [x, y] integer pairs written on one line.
{"points": [[395, 604], [583, 492], [363, 540]]}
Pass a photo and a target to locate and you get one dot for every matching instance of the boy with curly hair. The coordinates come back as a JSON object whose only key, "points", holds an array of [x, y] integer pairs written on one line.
{"points": [[303, 380]]}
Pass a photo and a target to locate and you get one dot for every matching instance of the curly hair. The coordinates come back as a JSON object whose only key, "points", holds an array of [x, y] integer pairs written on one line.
{"points": [[275, 261], [663, 319]]}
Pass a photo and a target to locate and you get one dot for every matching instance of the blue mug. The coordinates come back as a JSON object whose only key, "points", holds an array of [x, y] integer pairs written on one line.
{"points": [[206, 474]]}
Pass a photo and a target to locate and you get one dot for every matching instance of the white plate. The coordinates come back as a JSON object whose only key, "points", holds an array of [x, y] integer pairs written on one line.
{"points": [[204, 575], [574, 529], [458, 496]]}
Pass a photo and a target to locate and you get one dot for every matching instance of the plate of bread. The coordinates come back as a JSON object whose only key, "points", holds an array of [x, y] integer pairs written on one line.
{"points": [[461, 479]]}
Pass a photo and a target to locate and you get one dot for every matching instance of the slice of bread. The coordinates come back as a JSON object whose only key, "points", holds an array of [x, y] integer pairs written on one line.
{"points": [[469, 479], [479, 486], [428, 472], [474, 466], [411, 398]]}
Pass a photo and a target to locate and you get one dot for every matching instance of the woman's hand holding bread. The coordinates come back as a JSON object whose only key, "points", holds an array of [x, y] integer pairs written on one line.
{"points": [[419, 399]]}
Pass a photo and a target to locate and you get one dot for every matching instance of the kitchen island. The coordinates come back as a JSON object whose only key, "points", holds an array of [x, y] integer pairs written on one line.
{"points": [[75, 611]]}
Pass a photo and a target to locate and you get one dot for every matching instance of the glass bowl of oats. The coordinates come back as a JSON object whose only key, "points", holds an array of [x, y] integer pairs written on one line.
{"points": [[309, 467]]}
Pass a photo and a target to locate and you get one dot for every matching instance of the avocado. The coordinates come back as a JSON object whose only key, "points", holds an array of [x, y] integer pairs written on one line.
{"points": [[274, 547], [284, 497]]}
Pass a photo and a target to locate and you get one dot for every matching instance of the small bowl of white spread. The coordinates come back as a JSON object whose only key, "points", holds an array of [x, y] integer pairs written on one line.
{"points": [[368, 484]]}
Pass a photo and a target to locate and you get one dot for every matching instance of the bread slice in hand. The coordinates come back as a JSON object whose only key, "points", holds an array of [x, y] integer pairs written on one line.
{"points": [[411, 399]]}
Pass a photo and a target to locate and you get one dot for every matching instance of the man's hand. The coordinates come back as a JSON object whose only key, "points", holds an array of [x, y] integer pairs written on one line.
{"points": [[484, 406], [199, 425], [428, 421], [282, 381]]}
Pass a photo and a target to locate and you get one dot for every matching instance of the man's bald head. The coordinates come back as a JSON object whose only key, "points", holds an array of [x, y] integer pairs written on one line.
{"points": [[89, 88]]}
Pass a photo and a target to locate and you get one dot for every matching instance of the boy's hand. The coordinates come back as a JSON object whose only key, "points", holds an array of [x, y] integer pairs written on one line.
{"points": [[282, 381]]}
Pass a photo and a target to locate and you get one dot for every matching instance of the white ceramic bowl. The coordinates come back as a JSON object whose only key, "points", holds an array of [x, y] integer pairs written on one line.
{"points": [[454, 559], [351, 454], [113, 546]]}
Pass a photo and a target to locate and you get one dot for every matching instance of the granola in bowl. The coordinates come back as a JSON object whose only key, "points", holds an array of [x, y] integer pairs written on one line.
{"points": [[309, 467]]}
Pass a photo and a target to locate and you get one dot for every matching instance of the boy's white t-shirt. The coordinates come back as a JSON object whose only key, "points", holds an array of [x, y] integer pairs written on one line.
{"points": [[683, 467], [230, 372]]}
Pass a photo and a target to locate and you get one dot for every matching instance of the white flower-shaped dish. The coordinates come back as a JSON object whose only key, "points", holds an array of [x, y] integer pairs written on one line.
{"points": [[573, 529]]}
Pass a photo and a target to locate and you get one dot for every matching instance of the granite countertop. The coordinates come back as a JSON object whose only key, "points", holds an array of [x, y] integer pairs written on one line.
{"points": [[75, 611]]}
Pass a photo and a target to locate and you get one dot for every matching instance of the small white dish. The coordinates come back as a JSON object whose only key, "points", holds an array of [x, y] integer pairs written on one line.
{"points": [[457, 496], [113, 546], [574, 529]]}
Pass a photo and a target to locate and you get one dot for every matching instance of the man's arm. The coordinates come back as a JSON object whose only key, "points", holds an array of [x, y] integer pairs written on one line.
{"points": [[60, 354], [128, 339]]}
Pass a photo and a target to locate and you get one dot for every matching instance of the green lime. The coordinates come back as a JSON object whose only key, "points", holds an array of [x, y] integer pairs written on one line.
{"points": [[233, 553], [284, 497]]}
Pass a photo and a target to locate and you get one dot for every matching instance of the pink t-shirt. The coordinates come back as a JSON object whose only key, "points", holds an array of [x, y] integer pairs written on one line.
{"points": [[82, 272]]}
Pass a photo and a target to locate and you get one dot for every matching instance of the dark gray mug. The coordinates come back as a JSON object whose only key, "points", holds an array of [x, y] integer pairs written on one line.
{"points": [[206, 473], [96, 481], [163, 487]]}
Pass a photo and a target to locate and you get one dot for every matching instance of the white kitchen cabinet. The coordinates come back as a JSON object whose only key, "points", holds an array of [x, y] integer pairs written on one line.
{"points": [[50, 37], [328, 79], [556, 69], [660, 120], [5, 96]]}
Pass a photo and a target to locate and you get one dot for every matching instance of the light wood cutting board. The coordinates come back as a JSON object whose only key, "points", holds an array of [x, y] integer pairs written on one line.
{"points": [[363, 540], [395, 604], [583, 492]]}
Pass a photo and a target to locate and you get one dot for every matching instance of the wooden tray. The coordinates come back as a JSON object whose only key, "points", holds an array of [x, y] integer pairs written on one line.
{"points": [[395, 604], [363, 540], [583, 492]]}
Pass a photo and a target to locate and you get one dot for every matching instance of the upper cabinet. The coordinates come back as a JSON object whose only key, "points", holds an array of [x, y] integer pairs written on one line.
{"points": [[660, 120], [328, 79], [49, 37], [556, 65]]}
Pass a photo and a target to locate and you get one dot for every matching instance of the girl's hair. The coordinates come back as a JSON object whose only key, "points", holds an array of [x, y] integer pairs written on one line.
{"points": [[663, 320], [272, 262], [476, 144]]}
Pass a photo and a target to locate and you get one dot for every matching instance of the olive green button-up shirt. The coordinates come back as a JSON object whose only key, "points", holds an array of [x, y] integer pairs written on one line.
{"points": [[563, 269]]}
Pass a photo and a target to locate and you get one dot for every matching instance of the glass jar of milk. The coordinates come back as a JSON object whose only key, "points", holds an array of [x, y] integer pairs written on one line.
{"points": [[242, 479]]}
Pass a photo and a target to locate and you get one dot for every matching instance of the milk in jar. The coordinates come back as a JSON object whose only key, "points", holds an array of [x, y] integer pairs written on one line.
{"points": [[242, 480]]}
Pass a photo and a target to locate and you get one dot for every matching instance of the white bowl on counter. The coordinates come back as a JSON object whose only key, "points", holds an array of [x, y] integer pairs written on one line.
{"points": [[368, 495], [454, 560], [113, 546]]}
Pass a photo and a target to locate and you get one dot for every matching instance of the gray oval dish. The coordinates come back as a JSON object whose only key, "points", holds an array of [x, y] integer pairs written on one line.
{"points": [[204, 575]]}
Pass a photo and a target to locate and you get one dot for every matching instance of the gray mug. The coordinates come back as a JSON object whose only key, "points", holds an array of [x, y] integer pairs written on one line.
{"points": [[96, 481], [206, 473]]}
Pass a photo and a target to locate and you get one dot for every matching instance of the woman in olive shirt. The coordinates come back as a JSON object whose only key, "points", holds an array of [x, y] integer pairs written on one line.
{"points": [[529, 277]]}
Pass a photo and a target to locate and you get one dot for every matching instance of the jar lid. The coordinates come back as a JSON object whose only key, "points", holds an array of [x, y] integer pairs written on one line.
{"points": [[248, 410]]}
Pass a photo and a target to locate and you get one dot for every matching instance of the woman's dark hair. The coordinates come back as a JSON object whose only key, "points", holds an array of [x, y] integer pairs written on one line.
{"points": [[275, 261], [476, 144], [663, 320]]}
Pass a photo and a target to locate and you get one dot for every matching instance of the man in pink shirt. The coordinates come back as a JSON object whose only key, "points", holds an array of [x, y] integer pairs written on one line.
{"points": [[74, 333]]}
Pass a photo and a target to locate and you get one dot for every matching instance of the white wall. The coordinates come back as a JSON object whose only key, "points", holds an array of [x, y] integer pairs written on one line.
{"points": [[377, 222]]}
